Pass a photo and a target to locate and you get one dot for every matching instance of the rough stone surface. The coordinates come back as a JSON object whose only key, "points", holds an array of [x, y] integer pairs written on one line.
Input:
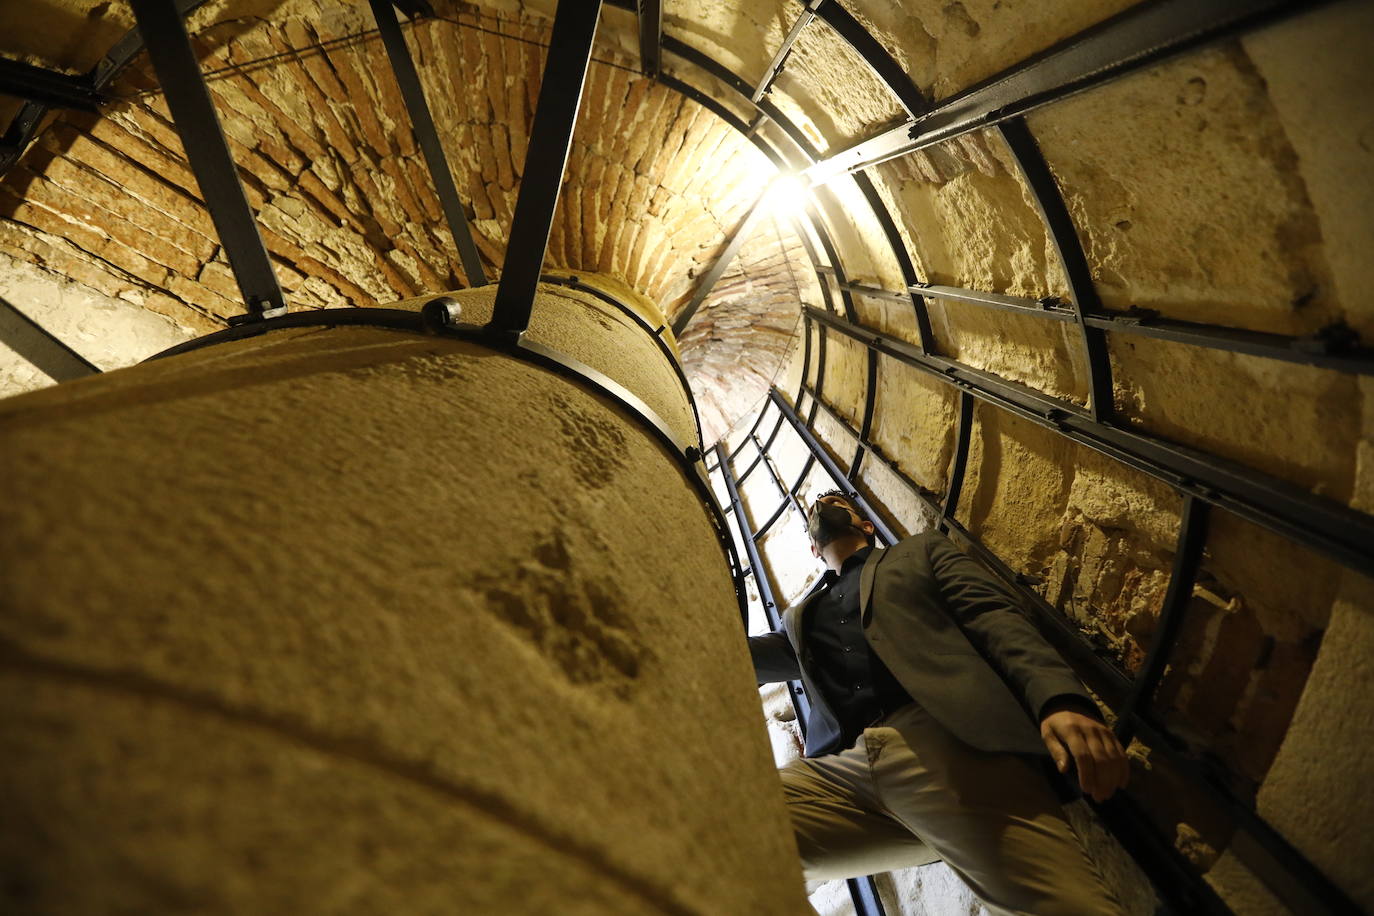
{"points": [[109, 332], [529, 589]]}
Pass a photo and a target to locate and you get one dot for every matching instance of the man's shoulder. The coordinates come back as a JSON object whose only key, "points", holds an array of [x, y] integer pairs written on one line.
{"points": [[920, 541]]}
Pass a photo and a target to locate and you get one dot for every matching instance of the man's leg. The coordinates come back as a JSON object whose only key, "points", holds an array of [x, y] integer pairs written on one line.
{"points": [[992, 817], [837, 818]]}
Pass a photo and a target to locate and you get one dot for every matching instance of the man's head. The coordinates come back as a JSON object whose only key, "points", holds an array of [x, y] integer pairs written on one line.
{"points": [[836, 528]]}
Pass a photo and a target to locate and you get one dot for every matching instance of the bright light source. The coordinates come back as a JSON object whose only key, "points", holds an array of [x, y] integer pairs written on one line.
{"points": [[787, 196]]}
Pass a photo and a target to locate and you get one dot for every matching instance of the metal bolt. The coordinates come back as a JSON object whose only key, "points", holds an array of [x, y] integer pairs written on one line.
{"points": [[441, 312]]}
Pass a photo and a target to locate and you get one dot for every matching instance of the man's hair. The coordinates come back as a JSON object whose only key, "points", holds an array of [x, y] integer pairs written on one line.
{"points": [[849, 501]]}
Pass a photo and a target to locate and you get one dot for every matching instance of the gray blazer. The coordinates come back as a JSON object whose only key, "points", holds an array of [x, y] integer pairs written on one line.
{"points": [[952, 634]]}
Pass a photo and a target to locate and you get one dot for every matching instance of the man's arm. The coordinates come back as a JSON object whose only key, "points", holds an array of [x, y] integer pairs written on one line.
{"points": [[1068, 719], [774, 658]]}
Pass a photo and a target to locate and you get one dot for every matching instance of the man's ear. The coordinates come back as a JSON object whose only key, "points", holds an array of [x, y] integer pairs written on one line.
{"points": [[868, 527], [814, 552]]}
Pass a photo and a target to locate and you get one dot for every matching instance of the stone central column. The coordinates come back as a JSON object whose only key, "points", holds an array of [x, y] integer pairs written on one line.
{"points": [[355, 620]]}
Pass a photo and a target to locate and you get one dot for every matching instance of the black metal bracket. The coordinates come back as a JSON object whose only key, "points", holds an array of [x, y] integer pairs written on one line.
{"points": [[720, 265], [48, 87], [427, 136], [183, 84], [1192, 537], [24, 125], [779, 61], [36, 344], [959, 463], [555, 117], [650, 14]]}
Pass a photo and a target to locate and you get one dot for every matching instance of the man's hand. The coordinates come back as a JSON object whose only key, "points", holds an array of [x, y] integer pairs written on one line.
{"points": [[1101, 761]]}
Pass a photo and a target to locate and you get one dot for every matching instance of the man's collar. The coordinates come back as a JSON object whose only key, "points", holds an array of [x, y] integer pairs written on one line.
{"points": [[856, 558]]}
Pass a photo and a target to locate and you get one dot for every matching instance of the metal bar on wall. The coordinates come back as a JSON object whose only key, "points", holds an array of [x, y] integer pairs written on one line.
{"points": [[36, 344], [193, 111], [1141, 35], [650, 16], [1059, 226], [1344, 534], [1050, 307], [427, 136], [870, 402], [1303, 886], [722, 262], [831, 468], [555, 117], [771, 611], [1192, 536], [1334, 347], [779, 61], [875, 56], [887, 70], [24, 125], [36, 84], [959, 463]]}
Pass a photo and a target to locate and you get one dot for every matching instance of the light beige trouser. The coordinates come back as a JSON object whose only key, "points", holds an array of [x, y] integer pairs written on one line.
{"points": [[909, 793]]}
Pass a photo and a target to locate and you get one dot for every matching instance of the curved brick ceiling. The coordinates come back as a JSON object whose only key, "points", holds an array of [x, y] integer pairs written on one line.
{"points": [[653, 187]]}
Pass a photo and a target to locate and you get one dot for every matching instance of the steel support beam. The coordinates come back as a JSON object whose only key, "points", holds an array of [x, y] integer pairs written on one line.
{"points": [[1344, 534], [771, 611], [779, 61], [875, 56], [870, 402], [427, 136], [1051, 308], [32, 341], [193, 111], [555, 117], [959, 463], [722, 262], [1059, 226], [24, 125], [48, 87], [1139, 36], [650, 13], [864, 893], [873, 292], [1192, 537], [831, 468], [1335, 347]]}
